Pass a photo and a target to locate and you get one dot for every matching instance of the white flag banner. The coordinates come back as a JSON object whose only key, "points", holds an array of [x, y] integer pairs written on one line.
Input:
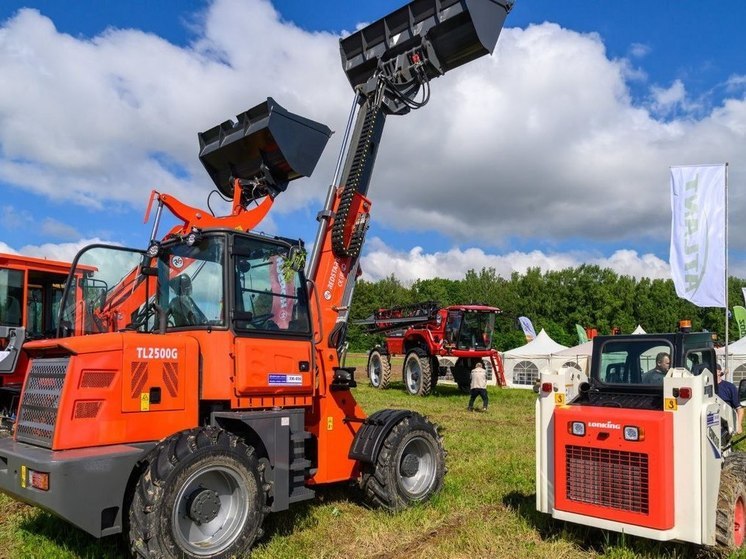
{"points": [[698, 234], [743, 290]]}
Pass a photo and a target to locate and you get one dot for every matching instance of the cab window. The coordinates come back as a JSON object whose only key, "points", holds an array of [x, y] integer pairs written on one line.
{"points": [[269, 295]]}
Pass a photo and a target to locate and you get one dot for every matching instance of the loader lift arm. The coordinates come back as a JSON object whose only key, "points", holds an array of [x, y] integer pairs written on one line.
{"points": [[388, 64]]}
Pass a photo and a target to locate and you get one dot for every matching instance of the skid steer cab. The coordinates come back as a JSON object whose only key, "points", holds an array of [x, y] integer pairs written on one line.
{"points": [[641, 450]]}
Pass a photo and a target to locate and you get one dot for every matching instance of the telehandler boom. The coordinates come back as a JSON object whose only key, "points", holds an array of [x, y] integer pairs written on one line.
{"points": [[197, 387]]}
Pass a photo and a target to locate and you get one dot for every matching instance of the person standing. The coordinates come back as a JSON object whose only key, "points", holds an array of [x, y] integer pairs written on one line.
{"points": [[478, 386], [728, 392]]}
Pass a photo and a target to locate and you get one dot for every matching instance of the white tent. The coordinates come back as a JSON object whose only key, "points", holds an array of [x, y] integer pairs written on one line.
{"points": [[639, 330], [577, 357], [522, 364], [736, 359]]}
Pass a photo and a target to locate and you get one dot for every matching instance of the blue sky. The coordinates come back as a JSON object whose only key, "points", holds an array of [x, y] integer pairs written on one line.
{"points": [[552, 152]]}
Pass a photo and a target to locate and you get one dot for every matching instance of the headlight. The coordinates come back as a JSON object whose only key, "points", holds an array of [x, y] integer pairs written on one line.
{"points": [[577, 428], [632, 433]]}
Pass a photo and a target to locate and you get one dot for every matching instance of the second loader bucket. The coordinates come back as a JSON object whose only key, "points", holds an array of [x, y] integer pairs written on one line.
{"points": [[267, 143], [458, 31]]}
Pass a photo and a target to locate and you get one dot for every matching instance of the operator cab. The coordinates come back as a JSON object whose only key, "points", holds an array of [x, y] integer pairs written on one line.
{"points": [[470, 327], [623, 368], [216, 280]]}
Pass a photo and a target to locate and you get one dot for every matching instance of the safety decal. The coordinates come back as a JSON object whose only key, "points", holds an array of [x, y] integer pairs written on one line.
{"points": [[671, 404], [277, 378]]}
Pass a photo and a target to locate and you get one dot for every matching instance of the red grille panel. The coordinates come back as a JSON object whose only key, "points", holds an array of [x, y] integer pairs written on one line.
{"points": [[96, 379], [87, 410], [608, 478]]}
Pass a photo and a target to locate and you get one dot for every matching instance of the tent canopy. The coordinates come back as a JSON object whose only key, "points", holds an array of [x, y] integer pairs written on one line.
{"points": [[542, 344], [584, 349]]}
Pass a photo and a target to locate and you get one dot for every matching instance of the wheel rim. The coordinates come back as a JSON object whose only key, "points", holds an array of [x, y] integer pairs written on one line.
{"points": [[739, 522], [210, 510], [413, 374], [417, 468], [375, 370]]}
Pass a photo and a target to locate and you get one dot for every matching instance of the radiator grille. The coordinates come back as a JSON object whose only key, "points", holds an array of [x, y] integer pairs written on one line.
{"points": [[87, 410], [96, 379], [38, 414], [608, 478]]}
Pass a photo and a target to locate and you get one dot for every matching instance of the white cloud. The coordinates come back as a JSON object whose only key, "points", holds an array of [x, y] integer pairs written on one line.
{"points": [[64, 252], [382, 261], [540, 141], [58, 230]]}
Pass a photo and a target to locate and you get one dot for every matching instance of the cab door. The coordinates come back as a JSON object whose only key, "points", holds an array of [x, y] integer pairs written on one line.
{"points": [[270, 318]]}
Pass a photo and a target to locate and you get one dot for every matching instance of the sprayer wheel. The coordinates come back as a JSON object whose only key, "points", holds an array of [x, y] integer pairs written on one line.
{"points": [[417, 373], [379, 369]]}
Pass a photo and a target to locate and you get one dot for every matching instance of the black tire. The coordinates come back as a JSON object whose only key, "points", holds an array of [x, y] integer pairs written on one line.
{"points": [[379, 369], [201, 494], [409, 468], [462, 375], [730, 525], [417, 373], [435, 368]]}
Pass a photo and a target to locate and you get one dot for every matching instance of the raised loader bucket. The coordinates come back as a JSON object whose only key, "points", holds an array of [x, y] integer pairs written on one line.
{"points": [[457, 30], [267, 143]]}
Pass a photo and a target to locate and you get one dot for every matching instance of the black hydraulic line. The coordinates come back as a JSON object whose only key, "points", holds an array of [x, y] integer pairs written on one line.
{"points": [[357, 175]]}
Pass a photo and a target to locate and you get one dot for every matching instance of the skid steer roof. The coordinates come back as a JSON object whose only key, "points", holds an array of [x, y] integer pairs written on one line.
{"points": [[266, 142], [457, 31]]}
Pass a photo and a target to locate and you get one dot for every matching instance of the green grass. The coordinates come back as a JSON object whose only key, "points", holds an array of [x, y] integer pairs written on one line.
{"points": [[486, 509]]}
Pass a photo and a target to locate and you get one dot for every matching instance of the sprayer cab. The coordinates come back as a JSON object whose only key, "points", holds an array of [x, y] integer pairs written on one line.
{"points": [[418, 42], [265, 149]]}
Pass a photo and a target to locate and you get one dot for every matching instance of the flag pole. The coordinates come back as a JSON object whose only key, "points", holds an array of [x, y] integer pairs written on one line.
{"points": [[726, 368]]}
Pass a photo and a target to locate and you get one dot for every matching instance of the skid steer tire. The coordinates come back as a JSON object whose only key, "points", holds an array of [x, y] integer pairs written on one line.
{"points": [[409, 468], [201, 494], [730, 525], [417, 373], [379, 369]]}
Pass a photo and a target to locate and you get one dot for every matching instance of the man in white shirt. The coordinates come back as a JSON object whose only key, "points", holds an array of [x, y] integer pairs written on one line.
{"points": [[478, 386]]}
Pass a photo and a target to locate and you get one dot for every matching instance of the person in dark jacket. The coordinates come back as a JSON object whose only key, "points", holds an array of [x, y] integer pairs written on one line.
{"points": [[728, 392]]}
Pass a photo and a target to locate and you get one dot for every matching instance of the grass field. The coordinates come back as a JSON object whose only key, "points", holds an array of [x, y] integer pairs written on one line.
{"points": [[486, 509]]}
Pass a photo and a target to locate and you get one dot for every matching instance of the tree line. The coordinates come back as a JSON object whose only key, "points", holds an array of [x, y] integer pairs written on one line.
{"points": [[556, 301]]}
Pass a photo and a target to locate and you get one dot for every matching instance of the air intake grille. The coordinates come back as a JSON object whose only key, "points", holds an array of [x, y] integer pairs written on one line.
{"points": [[608, 478], [38, 414]]}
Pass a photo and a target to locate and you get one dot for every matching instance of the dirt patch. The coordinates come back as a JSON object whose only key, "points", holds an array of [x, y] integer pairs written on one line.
{"points": [[443, 532]]}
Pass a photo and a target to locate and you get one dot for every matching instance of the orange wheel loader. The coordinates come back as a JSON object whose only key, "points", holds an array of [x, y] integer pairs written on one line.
{"points": [[196, 384]]}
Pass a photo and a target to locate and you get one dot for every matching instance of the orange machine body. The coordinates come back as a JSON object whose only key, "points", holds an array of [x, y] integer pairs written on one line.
{"points": [[601, 474]]}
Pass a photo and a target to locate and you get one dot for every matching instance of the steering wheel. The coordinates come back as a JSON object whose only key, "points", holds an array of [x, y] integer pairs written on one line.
{"points": [[141, 318], [260, 319]]}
